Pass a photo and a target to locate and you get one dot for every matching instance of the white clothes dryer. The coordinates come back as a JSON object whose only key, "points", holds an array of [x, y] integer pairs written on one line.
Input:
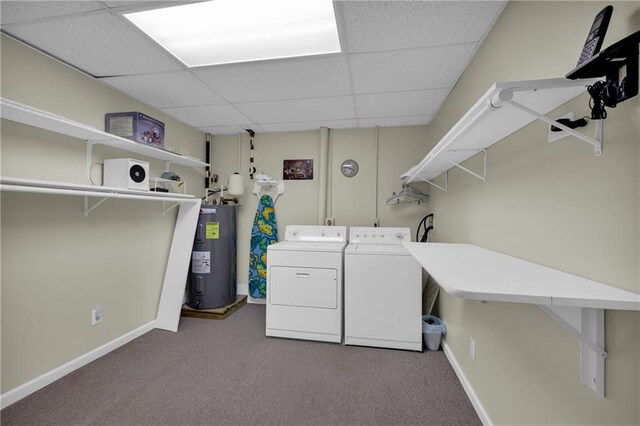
{"points": [[304, 283], [383, 290]]}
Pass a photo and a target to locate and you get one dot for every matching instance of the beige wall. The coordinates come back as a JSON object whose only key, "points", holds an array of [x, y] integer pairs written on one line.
{"points": [[56, 264], [553, 204], [353, 200]]}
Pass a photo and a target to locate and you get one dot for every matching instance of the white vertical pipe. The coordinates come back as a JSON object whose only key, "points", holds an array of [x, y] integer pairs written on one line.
{"points": [[323, 170], [377, 166], [239, 153], [330, 178]]}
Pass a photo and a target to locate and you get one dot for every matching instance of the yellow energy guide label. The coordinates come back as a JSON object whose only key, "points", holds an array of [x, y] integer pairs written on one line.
{"points": [[213, 230]]}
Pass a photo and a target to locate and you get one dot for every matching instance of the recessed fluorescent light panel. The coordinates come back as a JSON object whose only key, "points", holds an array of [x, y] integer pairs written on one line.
{"points": [[229, 31]]}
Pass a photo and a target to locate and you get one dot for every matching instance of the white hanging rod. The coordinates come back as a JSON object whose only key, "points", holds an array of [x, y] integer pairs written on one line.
{"points": [[81, 193]]}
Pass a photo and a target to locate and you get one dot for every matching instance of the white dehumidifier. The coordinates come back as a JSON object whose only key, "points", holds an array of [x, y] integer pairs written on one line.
{"points": [[126, 173]]}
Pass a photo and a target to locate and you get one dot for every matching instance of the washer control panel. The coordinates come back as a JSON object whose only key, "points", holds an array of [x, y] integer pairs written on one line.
{"points": [[368, 235], [316, 233]]}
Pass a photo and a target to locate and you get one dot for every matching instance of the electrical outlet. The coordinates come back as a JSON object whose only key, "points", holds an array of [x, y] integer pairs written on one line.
{"points": [[472, 348], [96, 315]]}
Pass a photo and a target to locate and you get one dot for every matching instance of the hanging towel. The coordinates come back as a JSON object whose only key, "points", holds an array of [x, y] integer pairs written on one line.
{"points": [[263, 233]]}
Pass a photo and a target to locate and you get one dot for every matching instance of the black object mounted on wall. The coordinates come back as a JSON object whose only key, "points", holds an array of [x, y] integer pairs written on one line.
{"points": [[252, 165], [611, 63]]}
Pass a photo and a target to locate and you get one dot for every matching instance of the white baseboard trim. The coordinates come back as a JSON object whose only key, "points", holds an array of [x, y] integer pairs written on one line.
{"points": [[39, 382], [242, 288], [477, 405]]}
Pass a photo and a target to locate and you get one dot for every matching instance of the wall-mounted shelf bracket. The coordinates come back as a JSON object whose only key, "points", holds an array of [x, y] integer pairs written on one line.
{"points": [[90, 145], [576, 303], [483, 178], [586, 324], [88, 209], [596, 143], [166, 210], [446, 182]]}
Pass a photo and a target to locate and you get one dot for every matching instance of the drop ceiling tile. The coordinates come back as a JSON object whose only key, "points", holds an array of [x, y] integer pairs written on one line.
{"points": [[317, 109], [419, 120], [230, 130], [334, 124], [175, 89], [414, 69], [276, 80], [208, 116], [425, 102], [285, 127], [12, 12], [100, 44], [387, 25]]}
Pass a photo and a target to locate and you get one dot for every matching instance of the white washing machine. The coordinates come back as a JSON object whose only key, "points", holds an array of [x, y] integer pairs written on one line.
{"points": [[382, 290], [304, 283]]}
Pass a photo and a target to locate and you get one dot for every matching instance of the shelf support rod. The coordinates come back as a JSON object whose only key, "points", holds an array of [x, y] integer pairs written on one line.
{"points": [[597, 143], [88, 209], [90, 145], [446, 182], [167, 210], [577, 333], [483, 178], [167, 165]]}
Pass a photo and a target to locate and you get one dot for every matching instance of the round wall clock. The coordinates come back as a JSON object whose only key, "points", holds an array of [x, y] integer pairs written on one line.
{"points": [[349, 168]]}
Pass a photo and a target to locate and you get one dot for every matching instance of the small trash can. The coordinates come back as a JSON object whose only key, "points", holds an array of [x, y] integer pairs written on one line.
{"points": [[432, 330]]}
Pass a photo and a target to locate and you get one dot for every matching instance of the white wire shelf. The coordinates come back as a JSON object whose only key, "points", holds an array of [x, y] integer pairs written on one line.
{"points": [[504, 109], [27, 185], [25, 114], [104, 193]]}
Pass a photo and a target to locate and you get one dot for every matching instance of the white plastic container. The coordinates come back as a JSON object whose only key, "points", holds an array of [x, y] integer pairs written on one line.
{"points": [[432, 330], [236, 185]]}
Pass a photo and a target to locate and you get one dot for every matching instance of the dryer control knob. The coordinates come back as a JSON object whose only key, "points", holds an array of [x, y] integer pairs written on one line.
{"points": [[399, 236]]}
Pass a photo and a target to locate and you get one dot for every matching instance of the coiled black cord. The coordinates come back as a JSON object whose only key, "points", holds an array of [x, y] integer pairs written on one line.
{"points": [[597, 102]]}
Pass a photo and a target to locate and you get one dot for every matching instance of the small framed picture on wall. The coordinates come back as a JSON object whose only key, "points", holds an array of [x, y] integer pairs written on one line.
{"points": [[297, 169]]}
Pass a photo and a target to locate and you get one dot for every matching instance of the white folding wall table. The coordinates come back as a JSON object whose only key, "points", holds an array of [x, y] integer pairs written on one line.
{"points": [[475, 273]]}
